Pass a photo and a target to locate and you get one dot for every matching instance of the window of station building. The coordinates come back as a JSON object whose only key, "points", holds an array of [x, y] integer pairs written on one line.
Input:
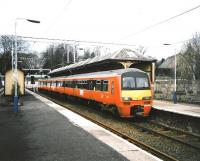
{"points": [[104, 85], [98, 85]]}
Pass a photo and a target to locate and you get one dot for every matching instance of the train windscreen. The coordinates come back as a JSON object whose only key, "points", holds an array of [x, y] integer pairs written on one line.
{"points": [[130, 82]]}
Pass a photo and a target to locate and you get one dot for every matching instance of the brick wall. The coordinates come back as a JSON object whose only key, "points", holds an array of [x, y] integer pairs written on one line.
{"points": [[187, 91]]}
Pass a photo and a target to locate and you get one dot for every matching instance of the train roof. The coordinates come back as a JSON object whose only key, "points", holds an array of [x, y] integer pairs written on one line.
{"points": [[109, 73]]}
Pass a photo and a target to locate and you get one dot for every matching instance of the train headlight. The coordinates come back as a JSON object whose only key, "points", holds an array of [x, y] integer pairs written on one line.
{"points": [[126, 98], [146, 98]]}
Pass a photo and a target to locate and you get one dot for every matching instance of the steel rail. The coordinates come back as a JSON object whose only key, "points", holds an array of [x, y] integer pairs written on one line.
{"points": [[172, 128], [166, 136]]}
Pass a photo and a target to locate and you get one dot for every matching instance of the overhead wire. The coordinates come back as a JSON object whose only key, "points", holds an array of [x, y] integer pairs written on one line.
{"points": [[161, 22], [77, 41], [58, 16]]}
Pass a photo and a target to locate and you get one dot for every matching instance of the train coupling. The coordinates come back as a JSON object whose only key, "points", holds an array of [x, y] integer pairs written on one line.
{"points": [[137, 110]]}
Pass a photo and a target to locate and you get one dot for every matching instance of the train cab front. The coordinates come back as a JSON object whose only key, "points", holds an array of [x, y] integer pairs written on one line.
{"points": [[136, 95]]}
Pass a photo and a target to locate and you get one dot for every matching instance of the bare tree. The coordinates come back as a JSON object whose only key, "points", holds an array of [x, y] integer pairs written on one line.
{"points": [[6, 46], [56, 56], [189, 67]]}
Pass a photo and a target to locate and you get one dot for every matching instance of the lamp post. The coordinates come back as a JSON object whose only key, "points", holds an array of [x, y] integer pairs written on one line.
{"points": [[14, 64], [174, 92]]}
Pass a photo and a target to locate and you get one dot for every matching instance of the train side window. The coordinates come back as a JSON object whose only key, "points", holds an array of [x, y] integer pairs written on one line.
{"points": [[73, 84], [69, 84], [90, 85], [87, 86], [53, 84], [93, 85], [65, 84], [59, 84], [82, 84], [105, 85], [85, 83], [78, 84], [98, 85]]}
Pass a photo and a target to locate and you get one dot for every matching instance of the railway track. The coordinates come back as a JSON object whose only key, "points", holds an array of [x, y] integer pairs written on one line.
{"points": [[140, 144], [187, 139]]}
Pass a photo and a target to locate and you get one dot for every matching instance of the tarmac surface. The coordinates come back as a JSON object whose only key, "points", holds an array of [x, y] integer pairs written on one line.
{"points": [[44, 131], [39, 133]]}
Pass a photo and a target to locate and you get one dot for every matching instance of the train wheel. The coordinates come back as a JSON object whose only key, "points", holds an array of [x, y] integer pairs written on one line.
{"points": [[116, 113]]}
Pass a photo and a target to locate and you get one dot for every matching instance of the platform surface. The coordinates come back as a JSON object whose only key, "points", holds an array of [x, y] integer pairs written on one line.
{"points": [[45, 131], [183, 109]]}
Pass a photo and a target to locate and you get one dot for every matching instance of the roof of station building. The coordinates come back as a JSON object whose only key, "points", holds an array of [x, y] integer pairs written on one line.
{"points": [[121, 55]]}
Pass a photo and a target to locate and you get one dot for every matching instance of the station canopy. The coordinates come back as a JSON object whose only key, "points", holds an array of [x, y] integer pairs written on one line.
{"points": [[116, 60]]}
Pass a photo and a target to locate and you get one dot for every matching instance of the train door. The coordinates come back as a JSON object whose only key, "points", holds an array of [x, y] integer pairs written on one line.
{"points": [[90, 89], [92, 84], [112, 88]]}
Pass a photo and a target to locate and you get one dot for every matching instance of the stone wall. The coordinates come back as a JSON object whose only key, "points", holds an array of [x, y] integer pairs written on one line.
{"points": [[187, 91]]}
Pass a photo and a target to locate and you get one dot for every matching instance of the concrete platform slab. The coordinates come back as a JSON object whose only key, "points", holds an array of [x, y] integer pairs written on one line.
{"points": [[184, 109]]}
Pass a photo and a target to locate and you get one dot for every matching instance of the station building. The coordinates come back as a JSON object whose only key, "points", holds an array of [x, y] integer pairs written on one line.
{"points": [[122, 59], [9, 82]]}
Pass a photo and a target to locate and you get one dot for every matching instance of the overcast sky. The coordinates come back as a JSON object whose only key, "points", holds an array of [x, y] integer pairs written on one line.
{"points": [[105, 21]]}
